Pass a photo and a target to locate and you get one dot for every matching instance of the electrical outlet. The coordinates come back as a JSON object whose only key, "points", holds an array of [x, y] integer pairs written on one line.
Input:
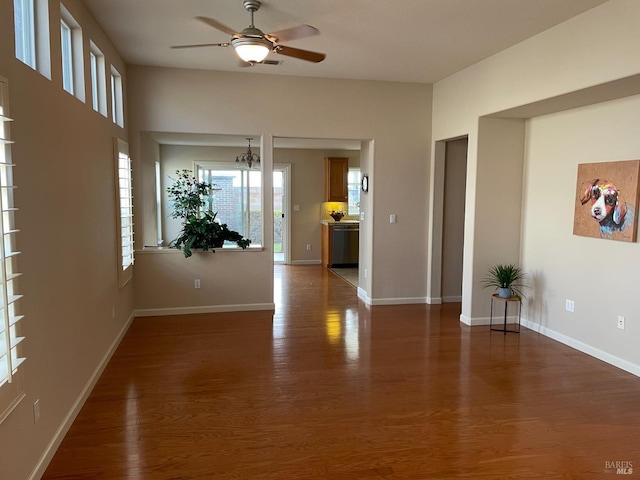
{"points": [[197, 283], [308, 246], [570, 305], [621, 322], [393, 218], [36, 411]]}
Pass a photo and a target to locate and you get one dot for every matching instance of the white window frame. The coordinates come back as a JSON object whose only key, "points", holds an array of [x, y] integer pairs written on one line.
{"points": [[25, 31], [11, 373], [246, 206], [124, 208], [159, 203], [98, 79], [66, 50], [353, 185], [117, 103], [31, 29], [72, 58]]}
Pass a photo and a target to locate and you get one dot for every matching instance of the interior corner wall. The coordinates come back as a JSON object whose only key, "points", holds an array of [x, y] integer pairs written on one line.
{"points": [[601, 276], [498, 203], [595, 48]]}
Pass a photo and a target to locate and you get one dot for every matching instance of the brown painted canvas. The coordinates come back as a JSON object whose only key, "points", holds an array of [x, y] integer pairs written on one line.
{"points": [[606, 203]]}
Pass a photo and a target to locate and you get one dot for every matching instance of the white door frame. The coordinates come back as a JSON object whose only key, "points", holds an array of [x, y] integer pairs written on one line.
{"points": [[286, 210]]}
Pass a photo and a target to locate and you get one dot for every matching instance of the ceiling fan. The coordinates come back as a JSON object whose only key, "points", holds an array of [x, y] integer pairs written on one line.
{"points": [[253, 46]]}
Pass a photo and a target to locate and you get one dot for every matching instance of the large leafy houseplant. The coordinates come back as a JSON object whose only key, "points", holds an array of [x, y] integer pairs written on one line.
{"points": [[507, 279], [200, 228]]}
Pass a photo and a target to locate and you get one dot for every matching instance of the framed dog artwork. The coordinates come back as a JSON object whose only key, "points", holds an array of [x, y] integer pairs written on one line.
{"points": [[607, 198]]}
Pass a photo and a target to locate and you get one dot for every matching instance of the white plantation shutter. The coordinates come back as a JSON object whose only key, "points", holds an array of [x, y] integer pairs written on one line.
{"points": [[125, 209], [10, 340]]}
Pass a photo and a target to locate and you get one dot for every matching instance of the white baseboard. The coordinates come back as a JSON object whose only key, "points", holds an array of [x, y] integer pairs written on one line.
{"points": [[305, 262], [452, 299], [584, 348], [362, 295], [71, 415], [159, 312], [398, 301], [434, 300], [473, 322]]}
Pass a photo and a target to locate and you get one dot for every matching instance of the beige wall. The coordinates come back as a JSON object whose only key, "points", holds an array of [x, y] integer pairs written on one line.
{"points": [[600, 276], [66, 195], [552, 71], [170, 100]]}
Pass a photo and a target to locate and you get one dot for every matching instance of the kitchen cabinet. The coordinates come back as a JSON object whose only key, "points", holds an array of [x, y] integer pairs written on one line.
{"points": [[326, 245], [335, 181]]}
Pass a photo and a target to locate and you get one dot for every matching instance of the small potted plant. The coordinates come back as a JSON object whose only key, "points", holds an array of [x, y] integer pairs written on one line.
{"points": [[506, 279], [200, 228]]}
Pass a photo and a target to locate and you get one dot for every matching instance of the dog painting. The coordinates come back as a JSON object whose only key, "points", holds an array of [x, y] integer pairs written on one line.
{"points": [[607, 200]]}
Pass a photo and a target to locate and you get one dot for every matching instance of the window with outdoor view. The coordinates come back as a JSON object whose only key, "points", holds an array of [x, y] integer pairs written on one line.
{"points": [[353, 188], [98, 79], [238, 202], [117, 102], [72, 54], [25, 31]]}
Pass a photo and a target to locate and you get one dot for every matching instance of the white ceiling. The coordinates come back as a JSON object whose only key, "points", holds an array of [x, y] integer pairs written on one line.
{"points": [[419, 41]]}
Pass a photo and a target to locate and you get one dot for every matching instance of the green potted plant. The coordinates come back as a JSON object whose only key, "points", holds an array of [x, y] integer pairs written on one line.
{"points": [[506, 279], [200, 228]]}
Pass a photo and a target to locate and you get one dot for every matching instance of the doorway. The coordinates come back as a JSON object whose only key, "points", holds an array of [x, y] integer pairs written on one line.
{"points": [[281, 237], [455, 181], [448, 214]]}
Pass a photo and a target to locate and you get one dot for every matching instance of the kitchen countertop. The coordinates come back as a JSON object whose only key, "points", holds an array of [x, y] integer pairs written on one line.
{"points": [[341, 222]]}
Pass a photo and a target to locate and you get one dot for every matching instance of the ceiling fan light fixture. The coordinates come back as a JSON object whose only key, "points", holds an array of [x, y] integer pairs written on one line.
{"points": [[251, 50]]}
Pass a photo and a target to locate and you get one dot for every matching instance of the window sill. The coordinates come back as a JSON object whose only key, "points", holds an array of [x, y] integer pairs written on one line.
{"points": [[175, 251]]}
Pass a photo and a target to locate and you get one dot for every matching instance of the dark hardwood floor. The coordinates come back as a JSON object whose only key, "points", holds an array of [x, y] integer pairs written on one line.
{"points": [[330, 389]]}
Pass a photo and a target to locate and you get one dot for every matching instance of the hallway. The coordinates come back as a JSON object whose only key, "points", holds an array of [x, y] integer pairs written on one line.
{"points": [[328, 388]]}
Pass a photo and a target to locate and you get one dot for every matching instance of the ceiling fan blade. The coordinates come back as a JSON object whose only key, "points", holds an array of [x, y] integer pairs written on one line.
{"points": [[217, 25], [301, 31], [202, 45], [299, 53]]}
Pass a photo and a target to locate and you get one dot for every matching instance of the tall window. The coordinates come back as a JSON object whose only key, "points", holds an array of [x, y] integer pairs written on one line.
{"points": [[67, 57], [98, 79], [125, 211], [11, 384], [25, 32], [72, 56], [238, 203], [117, 104]]}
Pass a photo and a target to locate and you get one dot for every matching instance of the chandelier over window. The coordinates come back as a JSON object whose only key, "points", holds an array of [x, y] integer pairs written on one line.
{"points": [[249, 157]]}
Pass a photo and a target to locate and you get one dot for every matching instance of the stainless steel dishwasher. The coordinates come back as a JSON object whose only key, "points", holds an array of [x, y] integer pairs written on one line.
{"points": [[345, 245]]}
